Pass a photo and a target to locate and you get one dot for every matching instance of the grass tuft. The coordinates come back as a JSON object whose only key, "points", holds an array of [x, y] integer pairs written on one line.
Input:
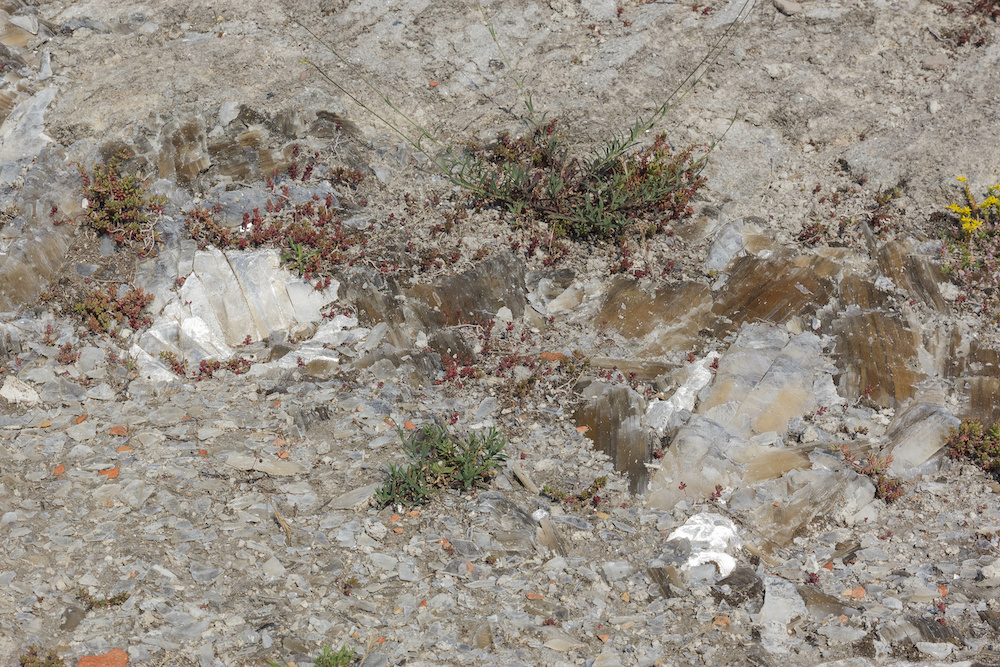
{"points": [[536, 176], [617, 186], [438, 460]]}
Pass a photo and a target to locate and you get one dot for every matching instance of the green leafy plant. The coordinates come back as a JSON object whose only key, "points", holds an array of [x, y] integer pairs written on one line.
{"points": [[615, 187], [102, 311], [345, 657], [119, 206], [888, 487], [437, 460], [342, 658], [36, 657], [298, 257], [66, 355], [589, 494], [975, 443], [602, 195], [92, 602]]}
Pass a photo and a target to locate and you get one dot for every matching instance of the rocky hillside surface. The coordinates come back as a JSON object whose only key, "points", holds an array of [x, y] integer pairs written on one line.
{"points": [[272, 384]]}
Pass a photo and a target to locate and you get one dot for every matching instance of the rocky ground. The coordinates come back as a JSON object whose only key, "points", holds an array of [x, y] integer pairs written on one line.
{"points": [[681, 410]]}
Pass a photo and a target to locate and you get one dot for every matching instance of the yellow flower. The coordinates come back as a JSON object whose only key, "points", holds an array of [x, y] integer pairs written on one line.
{"points": [[961, 210], [970, 224], [961, 179], [991, 201]]}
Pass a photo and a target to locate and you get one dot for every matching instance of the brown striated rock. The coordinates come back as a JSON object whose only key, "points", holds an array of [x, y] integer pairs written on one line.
{"points": [[478, 293], [643, 370], [858, 290], [613, 416], [915, 274], [877, 353], [982, 396], [183, 150], [667, 321], [774, 289]]}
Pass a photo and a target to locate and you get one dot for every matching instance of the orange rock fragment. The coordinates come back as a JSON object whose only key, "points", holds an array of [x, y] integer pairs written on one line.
{"points": [[118, 430], [943, 590], [413, 513], [604, 638], [81, 419], [720, 621], [433, 83], [203, 452], [45, 424], [856, 593], [113, 658], [552, 356], [282, 455], [409, 426], [582, 429], [398, 531], [626, 597], [382, 640], [828, 566], [60, 469], [533, 596], [110, 473], [423, 603], [394, 518], [123, 448]]}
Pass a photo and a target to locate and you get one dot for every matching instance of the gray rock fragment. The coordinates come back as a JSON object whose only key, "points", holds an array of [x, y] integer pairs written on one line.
{"points": [[353, 499], [787, 7]]}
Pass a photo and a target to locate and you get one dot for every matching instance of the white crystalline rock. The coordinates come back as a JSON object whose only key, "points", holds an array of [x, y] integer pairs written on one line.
{"points": [[195, 334], [148, 368], [229, 296], [885, 284], [17, 391], [782, 605], [659, 412], [712, 537]]}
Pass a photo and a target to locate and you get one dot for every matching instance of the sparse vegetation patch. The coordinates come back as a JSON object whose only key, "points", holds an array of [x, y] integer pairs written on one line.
{"points": [[438, 460]]}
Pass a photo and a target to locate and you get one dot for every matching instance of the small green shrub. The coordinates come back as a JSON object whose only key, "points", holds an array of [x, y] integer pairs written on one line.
{"points": [[437, 460], [118, 205], [590, 494], [973, 442], [345, 657], [102, 311], [35, 658], [600, 196], [342, 658], [617, 186], [92, 602], [888, 487]]}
